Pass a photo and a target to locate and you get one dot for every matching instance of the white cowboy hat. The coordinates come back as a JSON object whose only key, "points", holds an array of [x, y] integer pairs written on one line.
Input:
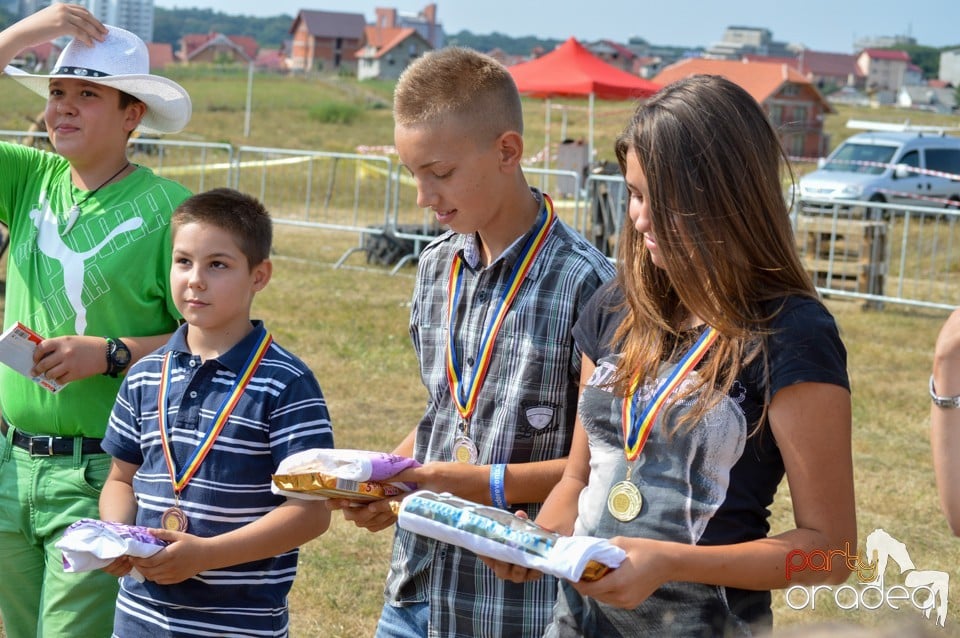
{"points": [[122, 62]]}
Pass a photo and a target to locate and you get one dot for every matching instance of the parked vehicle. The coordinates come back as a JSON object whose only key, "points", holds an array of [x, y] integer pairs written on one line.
{"points": [[916, 166]]}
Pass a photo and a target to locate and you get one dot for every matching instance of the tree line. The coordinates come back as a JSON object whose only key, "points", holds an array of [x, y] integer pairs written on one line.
{"points": [[170, 25]]}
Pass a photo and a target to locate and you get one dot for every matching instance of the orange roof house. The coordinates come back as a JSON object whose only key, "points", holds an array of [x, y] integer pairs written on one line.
{"points": [[793, 104], [161, 55], [325, 40], [40, 57], [217, 48], [388, 51]]}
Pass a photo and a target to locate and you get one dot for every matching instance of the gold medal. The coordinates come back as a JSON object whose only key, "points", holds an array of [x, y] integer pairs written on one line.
{"points": [[173, 519], [624, 501], [464, 450]]}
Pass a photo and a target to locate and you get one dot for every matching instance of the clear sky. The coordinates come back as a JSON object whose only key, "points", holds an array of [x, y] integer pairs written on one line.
{"points": [[823, 25]]}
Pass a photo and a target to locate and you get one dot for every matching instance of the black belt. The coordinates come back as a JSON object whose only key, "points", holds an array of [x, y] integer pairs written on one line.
{"points": [[40, 445]]}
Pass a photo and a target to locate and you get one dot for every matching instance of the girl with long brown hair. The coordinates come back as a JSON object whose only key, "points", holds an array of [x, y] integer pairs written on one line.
{"points": [[710, 370]]}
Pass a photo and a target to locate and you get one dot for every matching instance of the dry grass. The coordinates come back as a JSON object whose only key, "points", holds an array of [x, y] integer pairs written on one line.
{"points": [[350, 326], [338, 591]]}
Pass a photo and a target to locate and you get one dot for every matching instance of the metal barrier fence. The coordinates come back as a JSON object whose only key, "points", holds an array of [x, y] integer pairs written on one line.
{"points": [[315, 189], [880, 253], [199, 166], [413, 227], [607, 200]]}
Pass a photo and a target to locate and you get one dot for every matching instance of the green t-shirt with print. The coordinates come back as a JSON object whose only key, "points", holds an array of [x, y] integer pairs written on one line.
{"points": [[107, 276]]}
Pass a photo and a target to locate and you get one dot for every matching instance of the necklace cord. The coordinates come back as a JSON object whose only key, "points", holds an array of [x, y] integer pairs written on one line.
{"points": [[97, 189]]}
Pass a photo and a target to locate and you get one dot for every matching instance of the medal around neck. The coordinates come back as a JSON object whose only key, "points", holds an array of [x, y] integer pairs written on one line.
{"points": [[465, 450], [173, 519], [624, 501]]}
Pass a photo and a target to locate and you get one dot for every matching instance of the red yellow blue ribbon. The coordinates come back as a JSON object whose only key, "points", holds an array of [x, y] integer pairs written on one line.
{"points": [[637, 429], [181, 478], [466, 390]]}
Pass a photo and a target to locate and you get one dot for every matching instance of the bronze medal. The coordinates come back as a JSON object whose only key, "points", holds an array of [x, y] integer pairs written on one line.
{"points": [[173, 519], [465, 450], [624, 501]]}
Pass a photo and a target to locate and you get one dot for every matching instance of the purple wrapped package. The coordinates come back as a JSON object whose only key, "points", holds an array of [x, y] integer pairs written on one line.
{"points": [[354, 474], [90, 544]]}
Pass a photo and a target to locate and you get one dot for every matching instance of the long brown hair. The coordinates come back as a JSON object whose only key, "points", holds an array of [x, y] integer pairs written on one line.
{"points": [[712, 163]]}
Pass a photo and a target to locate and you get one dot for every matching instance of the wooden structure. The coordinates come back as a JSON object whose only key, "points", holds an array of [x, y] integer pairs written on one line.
{"points": [[844, 254]]}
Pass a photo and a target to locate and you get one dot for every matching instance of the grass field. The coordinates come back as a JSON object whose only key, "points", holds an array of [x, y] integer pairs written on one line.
{"points": [[350, 326], [338, 591]]}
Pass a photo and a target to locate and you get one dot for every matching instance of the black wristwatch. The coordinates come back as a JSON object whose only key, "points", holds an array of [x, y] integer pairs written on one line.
{"points": [[118, 357]]}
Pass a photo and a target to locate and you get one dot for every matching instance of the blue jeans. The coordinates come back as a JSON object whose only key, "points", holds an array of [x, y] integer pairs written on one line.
{"points": [[409, 621]]}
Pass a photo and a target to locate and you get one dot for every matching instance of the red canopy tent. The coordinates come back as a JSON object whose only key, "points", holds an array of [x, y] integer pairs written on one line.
{"points": [[571, 70]]}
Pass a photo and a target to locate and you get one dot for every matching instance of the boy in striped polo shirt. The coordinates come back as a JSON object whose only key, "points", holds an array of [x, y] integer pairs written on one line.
{"points": [[198, 429]]}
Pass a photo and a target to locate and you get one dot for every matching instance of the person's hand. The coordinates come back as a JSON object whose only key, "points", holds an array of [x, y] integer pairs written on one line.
{"points": [[65, 359], [641, 573], [374, 516], [119, 567], [183, 558], [510, 571], [468, 481], [58, 20]]}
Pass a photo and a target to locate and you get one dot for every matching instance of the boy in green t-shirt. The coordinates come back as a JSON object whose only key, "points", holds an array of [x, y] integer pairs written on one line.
{"points": [[87, 269]]}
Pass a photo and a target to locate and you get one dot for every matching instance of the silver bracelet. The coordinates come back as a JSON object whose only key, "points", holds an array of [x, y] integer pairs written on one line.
{"points": [[943, 402]]}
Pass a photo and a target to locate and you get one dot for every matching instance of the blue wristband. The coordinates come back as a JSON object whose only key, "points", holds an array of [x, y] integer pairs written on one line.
{"points": [[497, 493]]}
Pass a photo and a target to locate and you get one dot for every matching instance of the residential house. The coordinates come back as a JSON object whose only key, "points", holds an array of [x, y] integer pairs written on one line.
{"points": [[388, 51], [829, 71], [326, 40], [217, 48], [927, 98], [647, 66], [423, 22], [613, 54], [161, 55], [913, 76], [794, 105], [271, 60], [884, 69], [950, 66], [40, 57]]}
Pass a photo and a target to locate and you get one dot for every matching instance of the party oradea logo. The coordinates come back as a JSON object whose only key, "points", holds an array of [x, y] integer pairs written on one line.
{"points": [[922, 589]]}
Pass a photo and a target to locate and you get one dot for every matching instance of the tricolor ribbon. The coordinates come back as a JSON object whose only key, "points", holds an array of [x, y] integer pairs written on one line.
{"points": [[181, 478], [465, 390], [637, 429]]}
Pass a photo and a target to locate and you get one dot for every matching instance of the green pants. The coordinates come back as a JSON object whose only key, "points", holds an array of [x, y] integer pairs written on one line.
{"points": [[39, 498]]}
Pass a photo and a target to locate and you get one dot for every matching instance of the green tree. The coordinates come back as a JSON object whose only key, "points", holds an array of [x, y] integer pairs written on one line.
{"points": [[927, 58], [513, 46], [170, 25]]}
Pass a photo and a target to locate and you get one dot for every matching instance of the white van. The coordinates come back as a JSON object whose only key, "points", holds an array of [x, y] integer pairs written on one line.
{"points": [[876, 166]]}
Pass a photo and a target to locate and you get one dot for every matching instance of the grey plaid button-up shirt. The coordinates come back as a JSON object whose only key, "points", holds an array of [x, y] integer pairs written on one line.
{"points": [[525, 411]]}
